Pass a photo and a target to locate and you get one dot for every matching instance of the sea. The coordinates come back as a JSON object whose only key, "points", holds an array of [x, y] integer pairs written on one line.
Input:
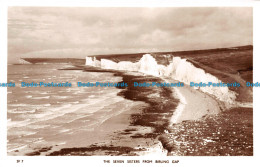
{"points": [[40, 116]]}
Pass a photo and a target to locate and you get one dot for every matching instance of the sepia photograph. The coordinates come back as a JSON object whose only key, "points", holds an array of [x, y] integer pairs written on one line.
{"points": [[147, 83], [130, 81]]}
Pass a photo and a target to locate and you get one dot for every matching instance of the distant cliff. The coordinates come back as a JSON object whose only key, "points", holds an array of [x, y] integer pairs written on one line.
{"points": [[55, 61]]}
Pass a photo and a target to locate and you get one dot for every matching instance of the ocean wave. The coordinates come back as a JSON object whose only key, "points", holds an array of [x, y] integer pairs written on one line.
{"points": [[35, 127], [38, 98], [28, 97], [11, 124], [75, 102], [44, 93], [21, 111], [60, 97]]}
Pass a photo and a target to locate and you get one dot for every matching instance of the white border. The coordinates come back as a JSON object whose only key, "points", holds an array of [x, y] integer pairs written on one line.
{"points": [[98, 161]]}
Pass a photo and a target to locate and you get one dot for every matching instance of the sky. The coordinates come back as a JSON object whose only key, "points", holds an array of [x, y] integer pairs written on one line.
{"points": [[78, 32]]}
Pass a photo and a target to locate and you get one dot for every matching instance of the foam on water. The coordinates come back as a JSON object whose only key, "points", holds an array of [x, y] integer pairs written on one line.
{"points": [[38, 98]]}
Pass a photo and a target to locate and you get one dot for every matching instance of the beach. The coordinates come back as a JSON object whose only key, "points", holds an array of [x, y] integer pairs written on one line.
{"points": [[189, 108], [139, 130]]}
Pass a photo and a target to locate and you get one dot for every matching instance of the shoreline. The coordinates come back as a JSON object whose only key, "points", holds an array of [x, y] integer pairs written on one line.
{"points": [[189, 100], [146, 130]]}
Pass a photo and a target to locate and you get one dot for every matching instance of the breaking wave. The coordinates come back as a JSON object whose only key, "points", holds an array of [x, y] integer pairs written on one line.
{"points": [[179, 69]]}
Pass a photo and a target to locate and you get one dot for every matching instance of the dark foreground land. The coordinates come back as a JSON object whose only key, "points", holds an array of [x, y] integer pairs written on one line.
{"points": [[229, 133]]}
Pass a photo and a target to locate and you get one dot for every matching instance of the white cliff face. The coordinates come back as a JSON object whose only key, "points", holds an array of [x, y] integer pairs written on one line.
{"points": [[186, 72], [179, 69], [148, 65], [92, 61], [128, 66], [108, 64]]}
